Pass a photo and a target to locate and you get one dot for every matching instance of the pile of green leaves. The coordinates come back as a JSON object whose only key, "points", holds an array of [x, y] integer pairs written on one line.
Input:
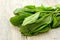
{"points": [[34, 20]]}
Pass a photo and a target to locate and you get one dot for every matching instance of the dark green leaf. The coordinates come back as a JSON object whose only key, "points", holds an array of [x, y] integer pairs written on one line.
{"points": [[35, 26], [17, 20]]}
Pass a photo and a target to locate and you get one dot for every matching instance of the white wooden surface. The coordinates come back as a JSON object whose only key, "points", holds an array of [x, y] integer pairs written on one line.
{"points": [[8, 32]]}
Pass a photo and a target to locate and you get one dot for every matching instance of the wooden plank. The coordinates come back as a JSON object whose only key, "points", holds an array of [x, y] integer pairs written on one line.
{"points": [[9, 32]]}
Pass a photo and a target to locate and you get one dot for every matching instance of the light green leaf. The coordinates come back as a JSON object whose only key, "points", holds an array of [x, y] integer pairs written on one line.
{"points": [[54, 21], [30, 8], [31, 19], [58, 18]]}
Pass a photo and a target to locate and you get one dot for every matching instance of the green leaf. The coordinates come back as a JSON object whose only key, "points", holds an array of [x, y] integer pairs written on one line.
{"points": [[43, 8], [57, 7], [50, 9], [47, 20], [30, 28], [17, 20], [58, 23], [20, 11], [47, 28], [30, 8], [56, 20], [42, 18], [17, 11], [58, 14], [42, 29], [40, 8], [31, 19]]}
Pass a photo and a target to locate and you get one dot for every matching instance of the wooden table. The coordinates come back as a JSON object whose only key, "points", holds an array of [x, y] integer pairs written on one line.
{"points": [[8, 32]]}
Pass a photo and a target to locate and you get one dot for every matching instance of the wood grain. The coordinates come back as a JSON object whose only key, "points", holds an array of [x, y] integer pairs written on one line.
{"points": [[9, 32]]}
